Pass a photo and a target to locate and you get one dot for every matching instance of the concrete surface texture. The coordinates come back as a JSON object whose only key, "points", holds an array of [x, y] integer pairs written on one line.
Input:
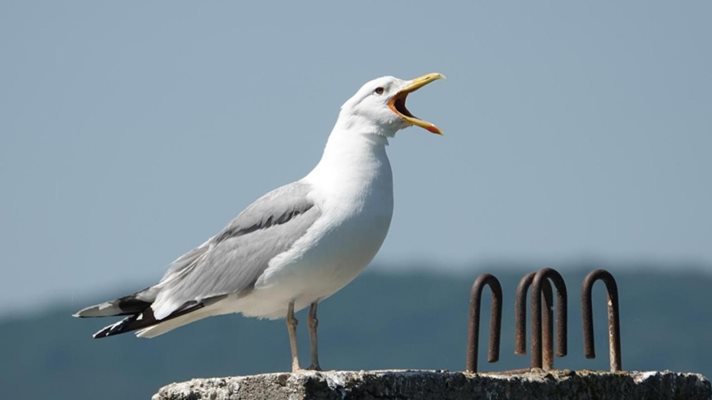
{"points": [[424, 384]]}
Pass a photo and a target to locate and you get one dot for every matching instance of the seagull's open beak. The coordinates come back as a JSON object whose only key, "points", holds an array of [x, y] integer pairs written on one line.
{"points": [[397, 102]]}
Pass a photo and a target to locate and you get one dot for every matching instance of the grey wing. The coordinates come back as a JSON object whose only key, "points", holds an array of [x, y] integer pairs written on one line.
{"points": [[232, 260]]}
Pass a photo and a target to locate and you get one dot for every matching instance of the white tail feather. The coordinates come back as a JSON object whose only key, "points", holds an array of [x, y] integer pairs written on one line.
{"points": [[163, 327]]}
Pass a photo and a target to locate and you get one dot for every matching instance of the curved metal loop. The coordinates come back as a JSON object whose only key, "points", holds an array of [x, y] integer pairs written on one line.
{"points": [[520, 315], [614, 340], [474, 322], [537, 286]]}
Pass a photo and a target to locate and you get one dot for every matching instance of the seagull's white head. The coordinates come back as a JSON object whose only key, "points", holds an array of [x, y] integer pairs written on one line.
{"points": [[380, 107]]}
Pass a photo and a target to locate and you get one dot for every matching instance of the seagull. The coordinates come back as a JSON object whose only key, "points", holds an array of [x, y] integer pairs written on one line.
{"points": [[294, 246]]}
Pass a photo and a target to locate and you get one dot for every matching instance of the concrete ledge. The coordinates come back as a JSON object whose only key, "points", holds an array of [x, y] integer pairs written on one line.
{"points": [[419, 384]]}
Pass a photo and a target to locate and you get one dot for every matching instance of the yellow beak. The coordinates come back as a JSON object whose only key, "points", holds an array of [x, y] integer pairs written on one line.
{"points": [[397, 102]]}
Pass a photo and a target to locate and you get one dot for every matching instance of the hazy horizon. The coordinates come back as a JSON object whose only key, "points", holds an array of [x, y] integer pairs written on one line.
{"points": [[465, 272]]}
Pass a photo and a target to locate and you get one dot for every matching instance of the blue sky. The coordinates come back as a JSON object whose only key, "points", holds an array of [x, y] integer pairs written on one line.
{"points": [[131, 132]]}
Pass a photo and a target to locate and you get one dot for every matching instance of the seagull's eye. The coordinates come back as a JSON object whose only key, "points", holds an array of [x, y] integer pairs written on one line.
{"points": [[379, 90]]}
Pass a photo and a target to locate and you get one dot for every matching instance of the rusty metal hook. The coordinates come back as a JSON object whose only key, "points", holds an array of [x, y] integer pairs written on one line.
{"points": [[520, 316], [561, 319], [542, 356], [474, 322], [614, 340]]}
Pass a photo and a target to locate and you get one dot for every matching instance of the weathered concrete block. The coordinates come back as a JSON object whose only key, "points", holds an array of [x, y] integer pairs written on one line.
{"points": [[417, 384]]}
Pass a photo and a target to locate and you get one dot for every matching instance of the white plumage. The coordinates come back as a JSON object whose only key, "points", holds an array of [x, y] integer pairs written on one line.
{"points": [[298, 244]]}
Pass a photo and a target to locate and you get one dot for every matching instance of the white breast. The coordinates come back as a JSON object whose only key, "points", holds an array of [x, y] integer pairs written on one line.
{"points": [[353, 188]]}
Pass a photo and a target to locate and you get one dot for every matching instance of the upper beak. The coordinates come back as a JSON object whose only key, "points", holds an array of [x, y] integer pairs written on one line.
{"points": [[397, 102]]}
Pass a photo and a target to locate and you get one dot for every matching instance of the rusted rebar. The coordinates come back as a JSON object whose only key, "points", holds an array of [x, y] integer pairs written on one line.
{"points": [[520, 314], [520, 319], [537, 286], [474, 322], [614, 341]]}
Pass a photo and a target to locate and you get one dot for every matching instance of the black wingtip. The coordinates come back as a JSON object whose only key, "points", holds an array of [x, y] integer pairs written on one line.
{"points": [[142, 320], [117, 328]]}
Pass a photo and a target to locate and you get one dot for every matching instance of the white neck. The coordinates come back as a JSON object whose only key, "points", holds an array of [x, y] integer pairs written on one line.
{"points": [[354, 159]]}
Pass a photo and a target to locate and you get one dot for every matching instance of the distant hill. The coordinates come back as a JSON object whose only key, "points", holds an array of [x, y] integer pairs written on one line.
{"points": [[404, 320]]}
